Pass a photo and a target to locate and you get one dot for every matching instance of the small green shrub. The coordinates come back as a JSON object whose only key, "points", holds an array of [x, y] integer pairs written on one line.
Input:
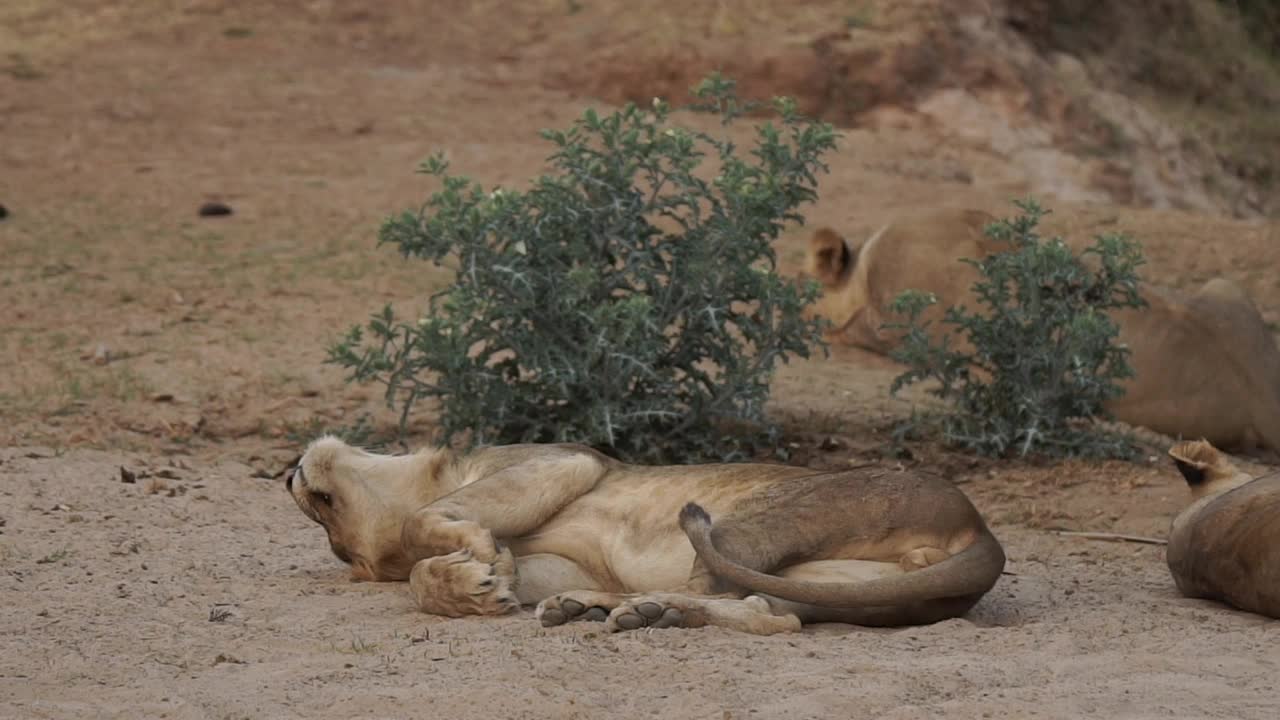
{"points": [[627, 300], [1045, 356]]}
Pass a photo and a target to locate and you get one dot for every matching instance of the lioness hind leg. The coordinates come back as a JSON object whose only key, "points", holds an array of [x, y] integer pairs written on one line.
{"points": [[751, 614], [923, 557], [459, 584]]}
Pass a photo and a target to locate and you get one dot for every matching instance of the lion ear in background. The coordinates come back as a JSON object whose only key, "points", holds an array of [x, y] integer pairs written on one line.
{"points": [[1203, 465], [829, 257]]}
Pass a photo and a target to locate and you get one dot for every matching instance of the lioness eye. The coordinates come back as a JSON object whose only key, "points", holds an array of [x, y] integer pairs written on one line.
{"points": [[323, 497]]}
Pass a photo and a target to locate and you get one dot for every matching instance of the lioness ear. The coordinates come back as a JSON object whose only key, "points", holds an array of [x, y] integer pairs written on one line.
{"points": [[828, 257], [1201, 463]]}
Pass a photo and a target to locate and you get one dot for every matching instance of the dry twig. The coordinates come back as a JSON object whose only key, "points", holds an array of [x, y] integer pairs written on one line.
{"points": [[1114, 537]]}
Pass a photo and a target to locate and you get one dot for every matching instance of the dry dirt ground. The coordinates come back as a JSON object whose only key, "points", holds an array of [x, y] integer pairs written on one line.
{"points": [[189, 351]]}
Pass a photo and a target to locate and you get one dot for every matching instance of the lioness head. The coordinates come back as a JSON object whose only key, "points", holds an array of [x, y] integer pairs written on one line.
{"points": [[361, 499]]}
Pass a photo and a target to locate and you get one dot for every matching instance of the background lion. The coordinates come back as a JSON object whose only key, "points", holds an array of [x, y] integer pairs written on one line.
{"points": [[1205, 365], [1226, 545], [757, 548]]}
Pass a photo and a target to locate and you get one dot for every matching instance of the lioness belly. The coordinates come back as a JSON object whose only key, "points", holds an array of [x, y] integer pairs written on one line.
{"points": [[625, 532], [618, 556], [622, 566], [654, 564], [542, 575]]}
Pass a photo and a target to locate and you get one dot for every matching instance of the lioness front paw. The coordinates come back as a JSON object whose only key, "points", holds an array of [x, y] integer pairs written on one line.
{"points": [[577, 605], [457, 584]]}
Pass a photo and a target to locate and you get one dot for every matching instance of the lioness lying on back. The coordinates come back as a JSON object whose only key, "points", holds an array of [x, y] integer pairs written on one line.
{"points": [[757, 548], [1204, 365], [1226, 545]]}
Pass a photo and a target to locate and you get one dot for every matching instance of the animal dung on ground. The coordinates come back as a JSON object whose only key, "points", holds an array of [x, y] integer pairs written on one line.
{"points": [[215, 209]]}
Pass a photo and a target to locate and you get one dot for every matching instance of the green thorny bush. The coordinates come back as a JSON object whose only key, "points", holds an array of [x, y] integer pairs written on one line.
{"points": [[1045, 354], [623, 301]]}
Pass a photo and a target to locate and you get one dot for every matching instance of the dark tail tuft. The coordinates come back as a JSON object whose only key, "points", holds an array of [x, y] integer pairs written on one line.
{"points": [[693, 514]]}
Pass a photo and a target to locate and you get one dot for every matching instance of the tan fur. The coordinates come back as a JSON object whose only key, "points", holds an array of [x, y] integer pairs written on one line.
{"points": [[586, 537], [1226, 545], [1205, 365]]}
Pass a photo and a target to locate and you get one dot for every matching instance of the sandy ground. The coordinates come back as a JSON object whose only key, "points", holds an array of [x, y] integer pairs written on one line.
{"points": [[189, 352], [207, 595]]}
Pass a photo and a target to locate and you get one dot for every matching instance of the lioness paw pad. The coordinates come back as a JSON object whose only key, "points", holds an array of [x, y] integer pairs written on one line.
{"points": [[565, 608], [642, 614]]}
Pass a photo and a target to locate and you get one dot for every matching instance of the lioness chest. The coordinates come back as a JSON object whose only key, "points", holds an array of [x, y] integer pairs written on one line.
{"points": [[625, 532]]}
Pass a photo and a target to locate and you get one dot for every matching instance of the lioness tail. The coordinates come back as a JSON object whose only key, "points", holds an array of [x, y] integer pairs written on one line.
{"points": [[972, 571]]}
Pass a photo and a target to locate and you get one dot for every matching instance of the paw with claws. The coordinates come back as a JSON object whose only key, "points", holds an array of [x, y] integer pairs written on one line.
{"points": [[458, 584]]}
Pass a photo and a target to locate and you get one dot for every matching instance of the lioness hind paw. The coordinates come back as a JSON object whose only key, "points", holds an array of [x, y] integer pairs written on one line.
{"points": [[561, 609], [671, 610], [644, 614]]}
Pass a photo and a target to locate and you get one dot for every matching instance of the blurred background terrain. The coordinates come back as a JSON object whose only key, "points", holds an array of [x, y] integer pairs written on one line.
{"points": [[190, 349]]}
